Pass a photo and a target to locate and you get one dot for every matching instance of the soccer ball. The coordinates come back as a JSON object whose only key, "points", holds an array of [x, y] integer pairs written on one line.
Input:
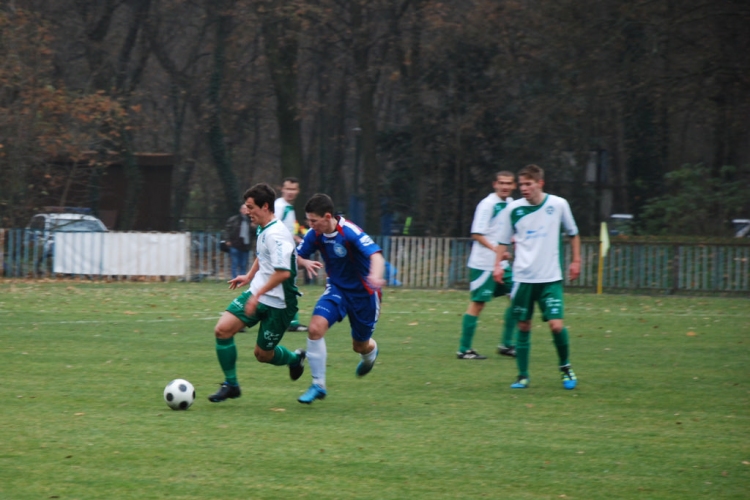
{"points": [[179, 394]]}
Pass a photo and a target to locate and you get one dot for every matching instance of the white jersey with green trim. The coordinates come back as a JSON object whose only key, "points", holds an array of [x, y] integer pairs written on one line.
{"points": [[537, 232], [275, 251], [487, 223], [284, 211]]}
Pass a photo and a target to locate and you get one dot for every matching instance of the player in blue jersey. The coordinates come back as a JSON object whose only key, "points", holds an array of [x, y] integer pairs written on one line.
{"points": [[354, 265]]}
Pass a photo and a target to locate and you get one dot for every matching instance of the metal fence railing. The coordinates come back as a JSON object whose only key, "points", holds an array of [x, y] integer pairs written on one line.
{"points": [[422, 262]]}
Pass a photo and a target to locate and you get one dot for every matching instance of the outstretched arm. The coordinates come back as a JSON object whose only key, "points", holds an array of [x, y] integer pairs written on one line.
{"points": [[310, 266], [574, 270], [245, 279], [377, 269]]}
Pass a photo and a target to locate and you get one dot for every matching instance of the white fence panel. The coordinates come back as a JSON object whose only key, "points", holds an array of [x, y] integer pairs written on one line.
{"points": [[122, 254]]}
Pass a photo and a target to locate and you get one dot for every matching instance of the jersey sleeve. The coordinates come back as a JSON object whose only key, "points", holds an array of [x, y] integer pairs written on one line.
{"points": [[281, 252], [278, 209], [568, 223], [505, 230], [482, 219], [362, 242], [307, 247]]}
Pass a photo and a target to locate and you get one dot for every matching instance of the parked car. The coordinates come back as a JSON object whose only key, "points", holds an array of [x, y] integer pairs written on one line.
{"points": [[45, 226], [620, 224], [741, 228]]}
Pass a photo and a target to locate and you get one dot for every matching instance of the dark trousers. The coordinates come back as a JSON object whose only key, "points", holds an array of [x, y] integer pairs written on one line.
{"points": [[239, 261]]}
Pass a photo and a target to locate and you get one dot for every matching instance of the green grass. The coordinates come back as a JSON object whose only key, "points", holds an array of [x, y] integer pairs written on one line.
{"points": [[661, 411]]}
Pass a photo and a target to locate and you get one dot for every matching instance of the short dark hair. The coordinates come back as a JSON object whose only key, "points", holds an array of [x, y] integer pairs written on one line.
{"points": [[293, 180], [261, 194], [532, 171], [504, 173], [320, 204]]}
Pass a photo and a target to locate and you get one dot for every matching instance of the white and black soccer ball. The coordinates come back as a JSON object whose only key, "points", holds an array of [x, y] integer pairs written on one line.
{"points": [[179, 394]]}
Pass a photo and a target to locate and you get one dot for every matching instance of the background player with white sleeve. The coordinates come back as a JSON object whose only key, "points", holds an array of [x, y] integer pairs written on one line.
{"points": [[483, 288], [535, 223], [283, 209]]}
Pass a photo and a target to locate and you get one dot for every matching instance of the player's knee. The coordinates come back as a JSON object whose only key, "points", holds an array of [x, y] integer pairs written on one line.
{"points": [[362, 347], [475, 308], [556, 326], [317, 328], [263, 356], [315, 332], [220, 332]]}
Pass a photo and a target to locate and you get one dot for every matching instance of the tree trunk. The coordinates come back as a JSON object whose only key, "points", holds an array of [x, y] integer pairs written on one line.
{"points": [[280, 36], [216, 136], [367, 120]]}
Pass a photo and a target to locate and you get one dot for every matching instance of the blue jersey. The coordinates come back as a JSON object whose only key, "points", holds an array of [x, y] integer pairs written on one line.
{"points": [[346, 253]]}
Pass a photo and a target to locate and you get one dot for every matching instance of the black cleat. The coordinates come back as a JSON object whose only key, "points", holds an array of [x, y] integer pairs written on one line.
{"points": [[300, 328], [225, 392], [506, 351], [470, 354], [297, 369]]}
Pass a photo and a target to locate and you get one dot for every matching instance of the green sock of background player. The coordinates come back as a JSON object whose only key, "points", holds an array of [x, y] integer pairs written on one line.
{"points": [[509, 328], [468, 328], [226, 351], [523, 347], [295, 320], [562, 345]]}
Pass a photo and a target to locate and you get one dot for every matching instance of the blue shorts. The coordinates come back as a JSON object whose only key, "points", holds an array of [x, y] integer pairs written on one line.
{"points": [[363, 310]]}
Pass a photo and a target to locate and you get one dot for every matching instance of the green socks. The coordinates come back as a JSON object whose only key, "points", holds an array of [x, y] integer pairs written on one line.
{"points": [[295, 320], [468, 327], [563, 348], [283, 356], [226, 351], [523, 347], [508, 328]]}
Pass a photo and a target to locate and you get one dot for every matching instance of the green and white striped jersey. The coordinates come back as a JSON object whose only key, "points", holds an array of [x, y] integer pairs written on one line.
{"points": [[487, 223], [538, 242], [284, 211], [275, 251]]}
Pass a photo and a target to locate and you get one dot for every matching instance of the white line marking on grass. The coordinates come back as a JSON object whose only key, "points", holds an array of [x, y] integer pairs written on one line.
{"points": [[97, 321]]}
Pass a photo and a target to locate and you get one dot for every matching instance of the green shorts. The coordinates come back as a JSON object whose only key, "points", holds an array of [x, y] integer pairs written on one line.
{"points": [[484, 288], [549, 296], [273, 321]]}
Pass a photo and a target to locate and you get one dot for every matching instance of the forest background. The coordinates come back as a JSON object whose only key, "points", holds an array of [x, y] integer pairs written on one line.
{"points": [[396, 108]]}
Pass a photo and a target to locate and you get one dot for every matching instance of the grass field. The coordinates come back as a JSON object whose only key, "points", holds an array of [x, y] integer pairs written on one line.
{"points": [[661, 411]]}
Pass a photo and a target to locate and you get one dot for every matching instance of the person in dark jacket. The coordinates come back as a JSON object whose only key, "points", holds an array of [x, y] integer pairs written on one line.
{"points": [[238, 235]]}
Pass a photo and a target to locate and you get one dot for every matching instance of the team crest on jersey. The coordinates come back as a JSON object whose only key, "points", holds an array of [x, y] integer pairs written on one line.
{"points": [[519, 212], [339, 250], [550, 209]]}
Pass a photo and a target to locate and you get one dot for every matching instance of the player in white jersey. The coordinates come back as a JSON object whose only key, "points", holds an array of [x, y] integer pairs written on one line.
{"points": [[271, 299], [535, 223], [283, 209], [485, 229]]}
